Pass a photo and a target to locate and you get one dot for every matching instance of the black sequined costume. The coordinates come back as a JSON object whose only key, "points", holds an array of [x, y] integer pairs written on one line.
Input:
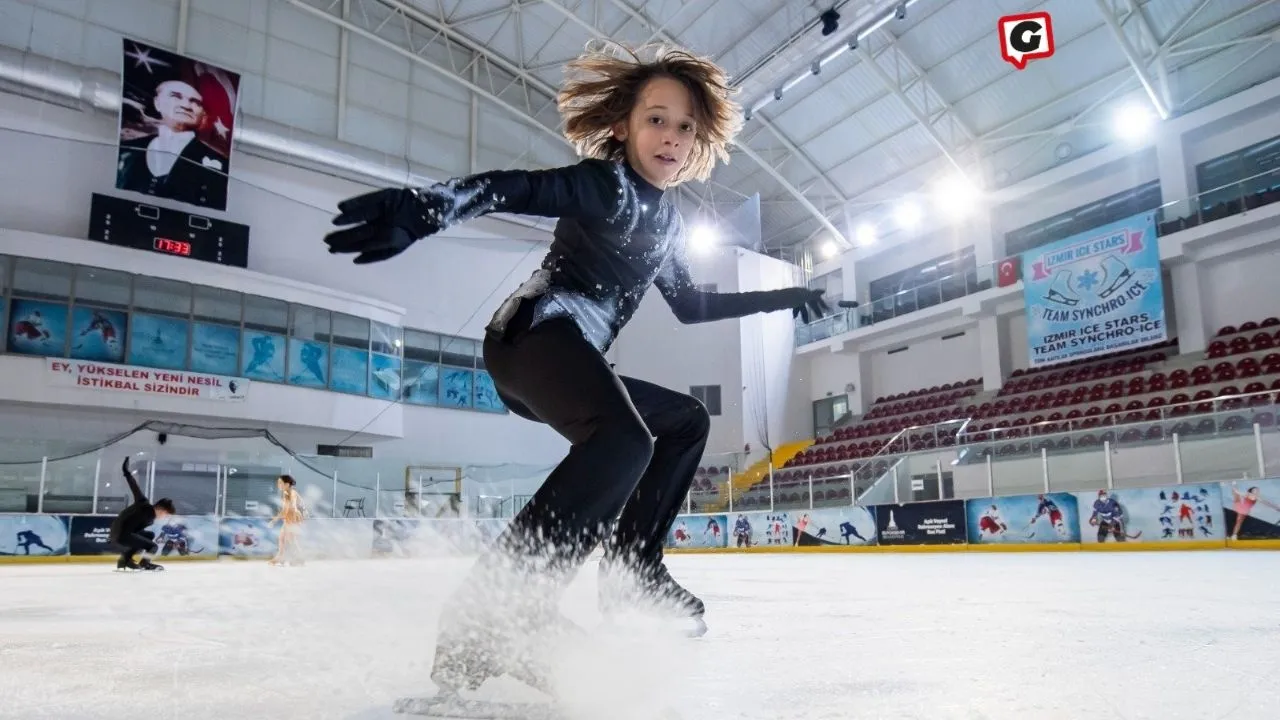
{"points": [[635, 445]]}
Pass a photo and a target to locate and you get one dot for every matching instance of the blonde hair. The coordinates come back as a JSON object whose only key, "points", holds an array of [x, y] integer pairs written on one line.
{"points": [[602, 87]]}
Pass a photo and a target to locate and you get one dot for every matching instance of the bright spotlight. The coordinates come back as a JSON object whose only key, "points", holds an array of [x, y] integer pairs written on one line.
{"points": [[907, 214], [956, 196], [829, 249], [1133, 122], [702, 238], [866, 234]]}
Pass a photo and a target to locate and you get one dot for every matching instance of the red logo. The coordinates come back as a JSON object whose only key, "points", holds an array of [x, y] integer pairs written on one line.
{"points": [[1025, 37], [1009, 271]]}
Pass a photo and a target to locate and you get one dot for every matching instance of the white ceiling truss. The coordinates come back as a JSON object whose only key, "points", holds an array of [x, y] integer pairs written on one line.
{"points": [[915, 98]]}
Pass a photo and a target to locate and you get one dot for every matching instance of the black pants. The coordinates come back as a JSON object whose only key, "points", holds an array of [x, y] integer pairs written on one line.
{"points": [[635, 449], [134, 543]]}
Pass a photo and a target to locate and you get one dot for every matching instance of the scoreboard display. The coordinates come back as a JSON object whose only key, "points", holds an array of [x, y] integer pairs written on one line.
{"points": [[142, 226]]}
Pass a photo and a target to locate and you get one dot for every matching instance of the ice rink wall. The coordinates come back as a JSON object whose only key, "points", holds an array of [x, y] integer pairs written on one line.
{"points": [[1237, 514]]}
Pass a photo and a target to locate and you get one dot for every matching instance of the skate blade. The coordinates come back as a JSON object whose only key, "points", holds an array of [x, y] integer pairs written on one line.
{"points": [[459, 709]]}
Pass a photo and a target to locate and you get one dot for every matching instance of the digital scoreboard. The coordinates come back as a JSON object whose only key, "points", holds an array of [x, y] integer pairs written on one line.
{"points": [[142, 226]]}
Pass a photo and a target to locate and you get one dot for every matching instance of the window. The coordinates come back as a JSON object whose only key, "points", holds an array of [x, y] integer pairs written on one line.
{"points": [[266, 314], [309, 332], [167, 297], [827, 411], [349, 369], [217, 305], [387, 339], [103, 288], [1084, 218], [42, 279], [459, 352], [1220, 178], [708, 395]]}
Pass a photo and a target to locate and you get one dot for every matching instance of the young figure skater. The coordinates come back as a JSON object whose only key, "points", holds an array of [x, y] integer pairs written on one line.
{"points": [[290, 518], [129, 530], [644, 126]]}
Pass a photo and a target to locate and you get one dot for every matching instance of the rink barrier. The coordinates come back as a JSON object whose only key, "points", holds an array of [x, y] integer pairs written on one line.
{"points": [[1177, 517]]}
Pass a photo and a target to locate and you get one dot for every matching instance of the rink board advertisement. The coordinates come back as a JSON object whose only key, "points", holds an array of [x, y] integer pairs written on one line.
{"points": [[89, 535], [194, 536], [1177, 513], [247, 537], [757, 529], [1094, 293], [1250, 509], [926, 523], [698, 531], [833, 526], [33, 535], [1024, 519]]}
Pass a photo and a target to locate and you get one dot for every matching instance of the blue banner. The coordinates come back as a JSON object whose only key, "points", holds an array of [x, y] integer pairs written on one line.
{"points": [[158, 342], [262, 356], [1023, 519], [350, 371], [98, 334], [1177, 513], [247, 537], [384, 376], [308, 363], [698, 531], [1095, 292], [421, 383], [33, 535], [457, 387], [214, 349], [38, 328]]}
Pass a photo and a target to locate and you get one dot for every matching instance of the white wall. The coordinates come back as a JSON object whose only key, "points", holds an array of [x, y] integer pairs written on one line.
{"points": [[927, 362], [656, 347], [55, 157], [1240, 289], [451, 283], [1254, 125]]}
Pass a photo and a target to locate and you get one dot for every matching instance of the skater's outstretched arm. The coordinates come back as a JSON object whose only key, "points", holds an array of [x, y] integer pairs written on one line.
{"points": [[386, 222], [692, 305], [138, 497]]}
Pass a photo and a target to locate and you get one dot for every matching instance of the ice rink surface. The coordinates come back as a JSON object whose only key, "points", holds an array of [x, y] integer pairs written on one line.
{"points": [[1121, 636]]}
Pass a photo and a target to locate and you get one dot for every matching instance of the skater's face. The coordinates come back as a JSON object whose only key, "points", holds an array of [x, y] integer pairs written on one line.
{"points": [[161, 513], [660, 131]]}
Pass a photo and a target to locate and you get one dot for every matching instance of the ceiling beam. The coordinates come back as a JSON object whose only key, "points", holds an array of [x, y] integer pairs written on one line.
{"points": [[1136, 62]]}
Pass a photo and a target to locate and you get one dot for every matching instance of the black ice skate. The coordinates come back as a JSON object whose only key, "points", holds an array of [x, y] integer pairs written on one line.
{"points": [[146, 564], [474, 647], [126, 565], [648, 586]]}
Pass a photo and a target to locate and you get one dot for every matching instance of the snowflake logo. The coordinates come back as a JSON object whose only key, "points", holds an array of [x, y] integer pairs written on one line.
{"points": [[1087, 280]]}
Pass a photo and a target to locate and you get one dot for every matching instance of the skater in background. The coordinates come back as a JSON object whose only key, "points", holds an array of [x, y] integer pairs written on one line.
{"points": [[742, 531], [1243, 505], [27, 538], [712, 531], [129, 530], [992, 523], [847, 530], [1108, 517], [290, 518], [645, 127], [1048, 507]]}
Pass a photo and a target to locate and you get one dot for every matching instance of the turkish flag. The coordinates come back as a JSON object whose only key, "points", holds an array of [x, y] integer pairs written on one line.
{"points": [[1009, 271]]}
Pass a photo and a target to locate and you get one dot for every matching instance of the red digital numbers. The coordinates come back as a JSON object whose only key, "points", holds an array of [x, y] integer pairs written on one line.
{"points": [[173, 247]]}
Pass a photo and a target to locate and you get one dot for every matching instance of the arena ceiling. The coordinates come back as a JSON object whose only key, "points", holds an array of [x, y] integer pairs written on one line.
{"points": [[919, 98]]}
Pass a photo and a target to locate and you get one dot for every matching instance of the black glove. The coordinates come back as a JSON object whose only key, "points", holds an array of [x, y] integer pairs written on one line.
{"points": [[386, 223], [124, 467], [805, 302]]}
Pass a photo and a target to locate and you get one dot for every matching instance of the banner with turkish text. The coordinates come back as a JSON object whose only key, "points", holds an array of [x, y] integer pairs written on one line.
{"points": [[108, 377]]}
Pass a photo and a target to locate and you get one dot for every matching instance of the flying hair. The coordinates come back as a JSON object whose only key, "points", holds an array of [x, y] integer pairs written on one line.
{"points": [[603, 84]]}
